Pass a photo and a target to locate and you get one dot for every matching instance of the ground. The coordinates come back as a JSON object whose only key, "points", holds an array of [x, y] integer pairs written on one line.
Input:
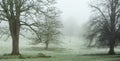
{"points": [[69, 58], [72, 50], [60, 54]]}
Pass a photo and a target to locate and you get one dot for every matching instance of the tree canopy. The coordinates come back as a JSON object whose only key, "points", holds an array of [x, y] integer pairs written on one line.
{"points": [[104, 25], [24, 14]]}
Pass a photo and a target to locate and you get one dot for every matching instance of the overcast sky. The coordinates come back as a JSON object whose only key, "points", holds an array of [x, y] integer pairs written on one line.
{"points": [[74, 14], [75, 11]]}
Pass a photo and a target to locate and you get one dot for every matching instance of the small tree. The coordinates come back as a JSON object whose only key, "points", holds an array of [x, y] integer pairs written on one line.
{"points": [[51, 31], [47, 32]]}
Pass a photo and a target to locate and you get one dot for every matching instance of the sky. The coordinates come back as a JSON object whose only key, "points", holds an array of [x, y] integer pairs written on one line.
{"points": [[74, 14], [75, 11]]}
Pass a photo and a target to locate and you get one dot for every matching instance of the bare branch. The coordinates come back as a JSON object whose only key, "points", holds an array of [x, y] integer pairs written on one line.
{"points": [[99, 11]]}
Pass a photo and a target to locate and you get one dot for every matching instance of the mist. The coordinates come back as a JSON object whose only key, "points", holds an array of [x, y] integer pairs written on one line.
{"points": [[62, 30], [74, 14]]}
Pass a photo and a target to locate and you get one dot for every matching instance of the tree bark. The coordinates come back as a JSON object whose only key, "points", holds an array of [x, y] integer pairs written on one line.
{"points": [[15, 46], [111, 48], [46, 43], [14, 30]]}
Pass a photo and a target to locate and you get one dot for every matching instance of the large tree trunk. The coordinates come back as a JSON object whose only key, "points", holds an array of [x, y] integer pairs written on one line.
{"points": [[14, 30], [111, 48], [15, 46]]}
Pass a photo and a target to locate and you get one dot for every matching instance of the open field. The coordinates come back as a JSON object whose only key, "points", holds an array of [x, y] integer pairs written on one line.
{"points": [[72, 51], [69, 58], [61, 55]]}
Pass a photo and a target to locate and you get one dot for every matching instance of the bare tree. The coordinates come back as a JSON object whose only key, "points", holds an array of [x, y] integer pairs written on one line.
{"points": [[47, 31], [105, 22], [20, 13], [51, 31]]}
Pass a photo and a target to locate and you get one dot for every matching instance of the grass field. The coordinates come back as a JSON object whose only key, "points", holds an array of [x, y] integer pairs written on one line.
{"points": [[68, 52], [29, 54], [69, 58]]}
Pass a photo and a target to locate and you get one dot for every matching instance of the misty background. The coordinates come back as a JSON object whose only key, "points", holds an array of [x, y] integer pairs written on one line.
{"points": [[74, 14]]}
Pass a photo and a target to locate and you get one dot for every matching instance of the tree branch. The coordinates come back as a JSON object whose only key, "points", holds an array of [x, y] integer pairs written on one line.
{"points": [[99, 11]]}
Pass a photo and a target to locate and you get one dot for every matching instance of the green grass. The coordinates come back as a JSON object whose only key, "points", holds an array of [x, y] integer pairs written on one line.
{"points": [[68, 58], [58, 54]]}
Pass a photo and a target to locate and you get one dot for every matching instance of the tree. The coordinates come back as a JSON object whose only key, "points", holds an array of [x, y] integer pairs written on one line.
{"points": [[51, 31], [47, 31], [105, 24], [20, 13]]}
